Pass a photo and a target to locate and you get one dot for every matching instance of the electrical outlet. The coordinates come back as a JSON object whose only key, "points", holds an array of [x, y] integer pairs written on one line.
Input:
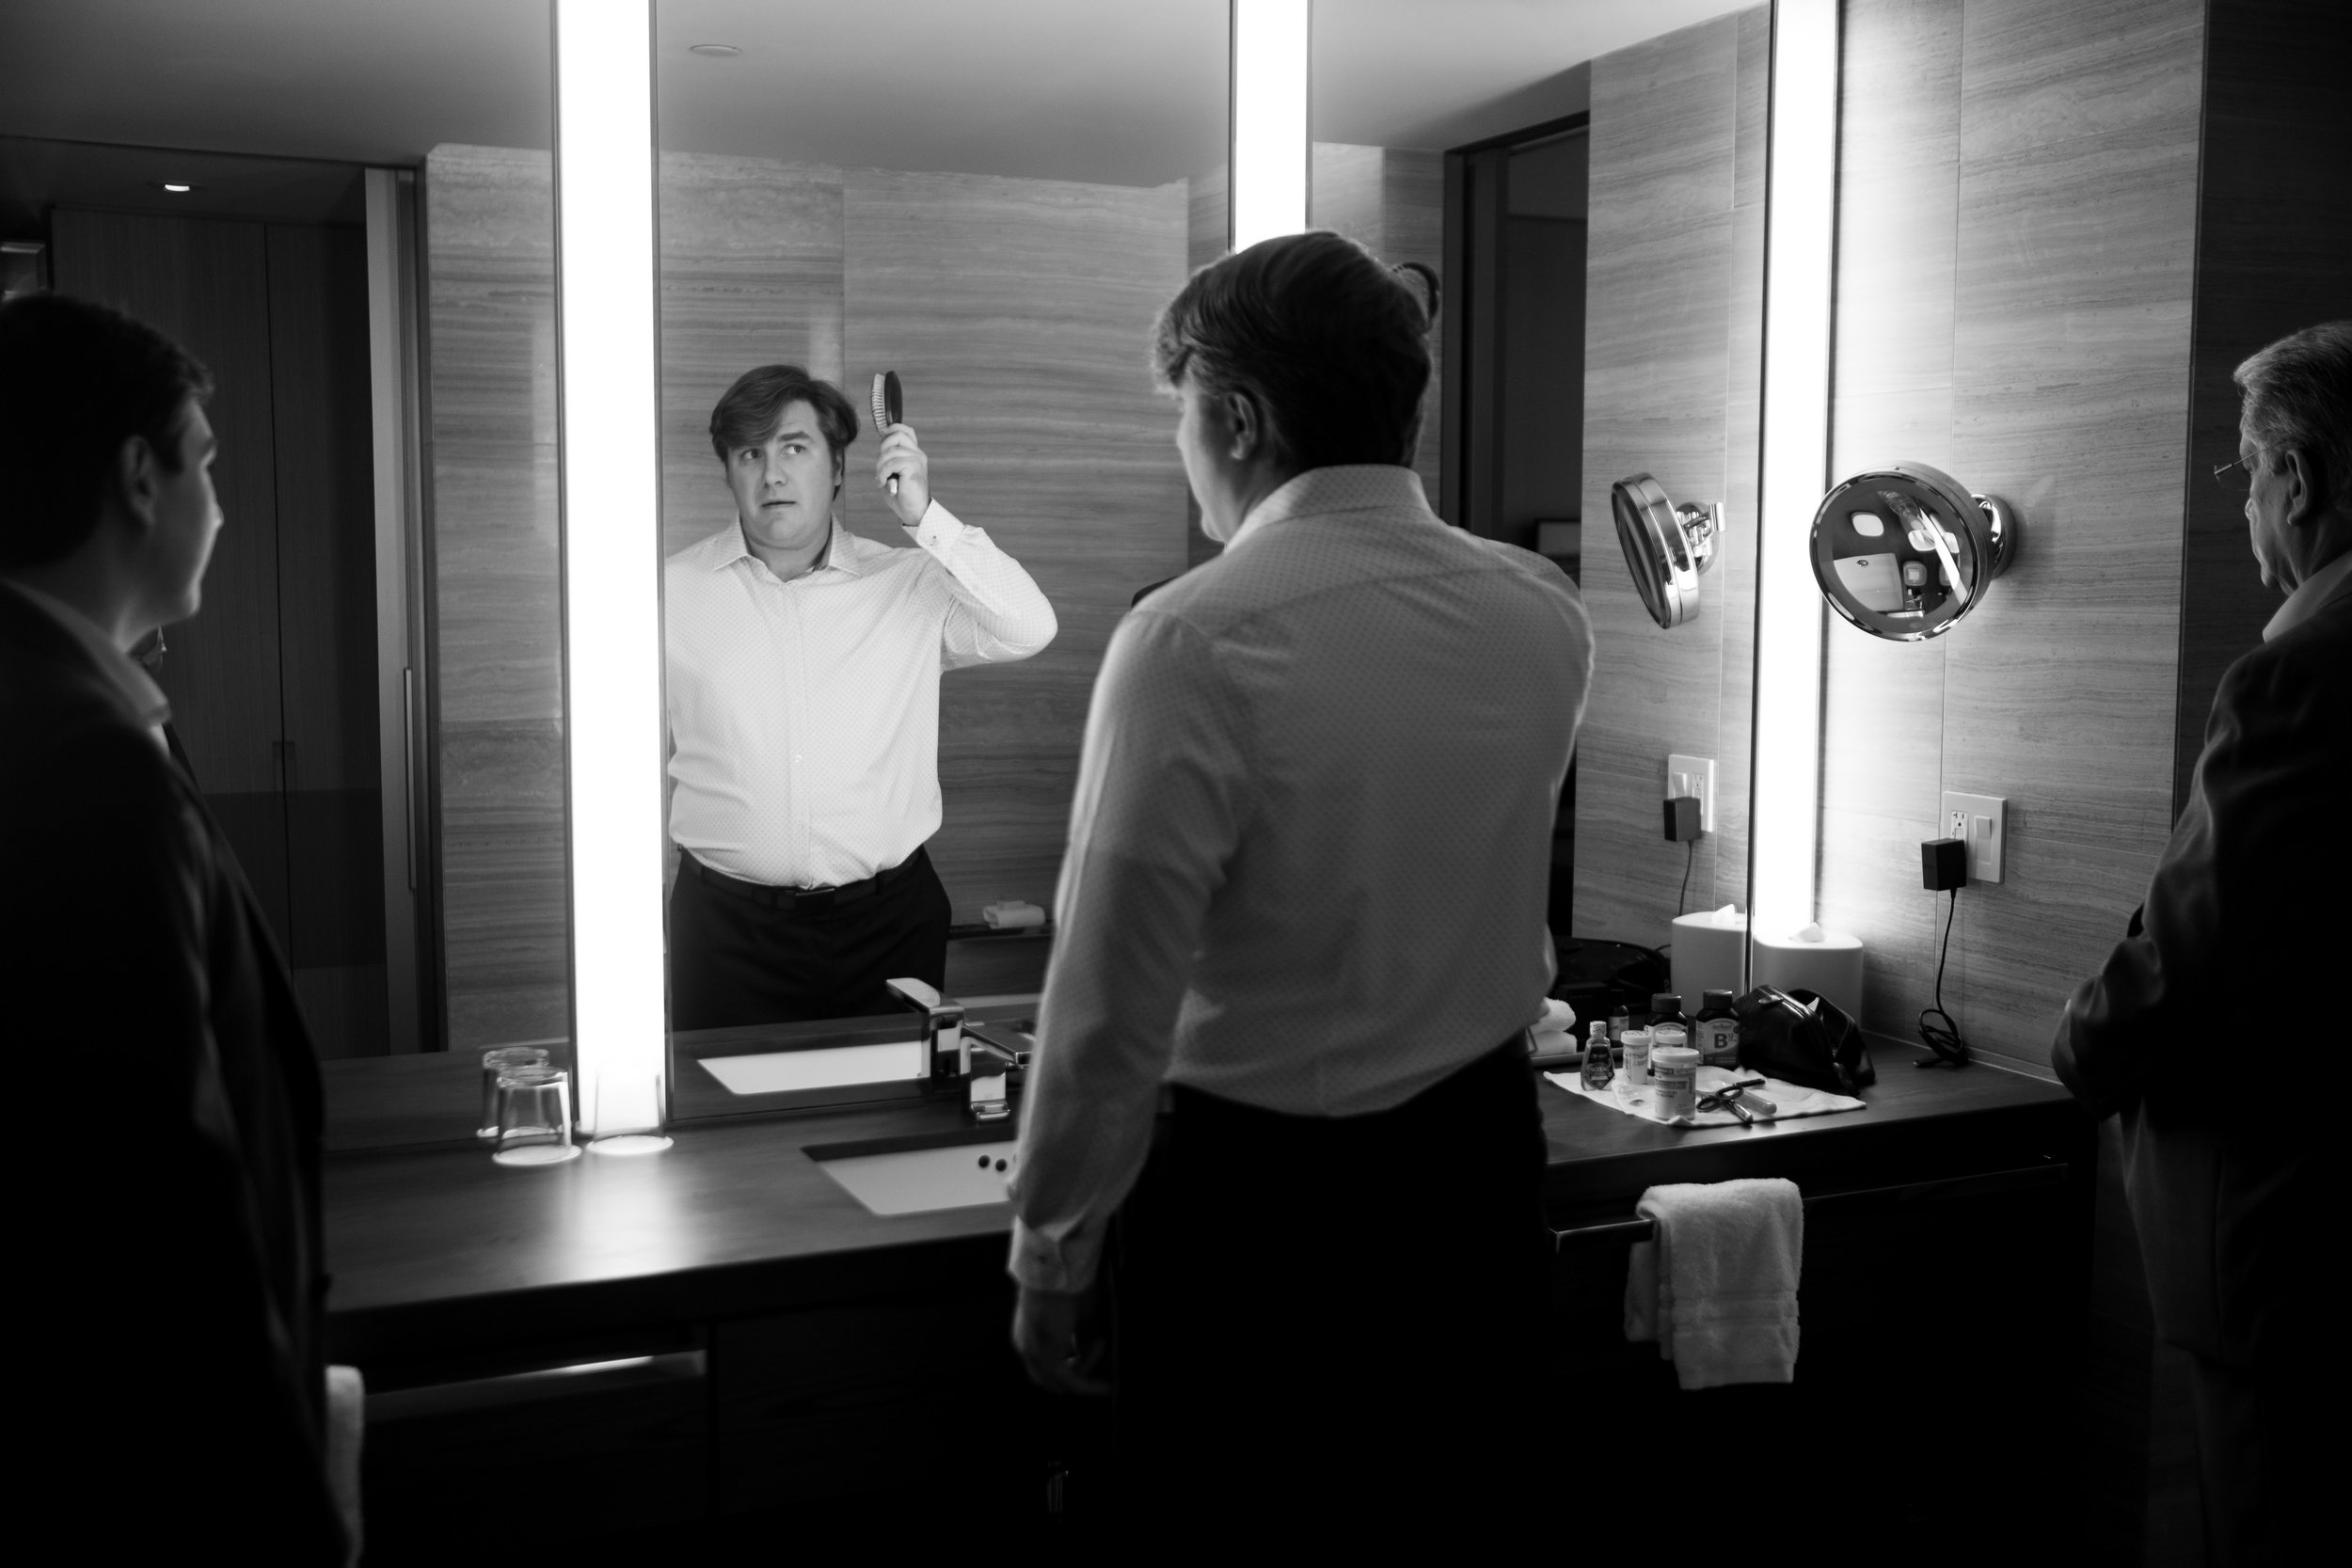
{"points": [[1982, 822], [1694, 776]]}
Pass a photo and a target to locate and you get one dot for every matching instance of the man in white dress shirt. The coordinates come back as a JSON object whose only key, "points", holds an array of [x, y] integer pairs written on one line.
{"points": [[1304, 896], [804, 707]]}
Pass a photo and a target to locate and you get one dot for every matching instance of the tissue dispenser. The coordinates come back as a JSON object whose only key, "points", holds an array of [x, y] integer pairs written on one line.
{"points": [[1710, 953]]}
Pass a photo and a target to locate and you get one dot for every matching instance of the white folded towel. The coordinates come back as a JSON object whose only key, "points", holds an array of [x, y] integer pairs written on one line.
{"points": [[346, 1424], [1718, 1289]]}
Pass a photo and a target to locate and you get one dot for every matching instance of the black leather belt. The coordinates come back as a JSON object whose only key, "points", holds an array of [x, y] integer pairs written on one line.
{"points": [[801, 900]]}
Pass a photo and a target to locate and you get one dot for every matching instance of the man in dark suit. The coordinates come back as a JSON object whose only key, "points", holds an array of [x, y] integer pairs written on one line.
{"points": [[2212, 1028], [169, 1260]]}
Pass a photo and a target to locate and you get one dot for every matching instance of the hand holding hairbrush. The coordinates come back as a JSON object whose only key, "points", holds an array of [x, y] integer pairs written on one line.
{"points": [[889, 409]]}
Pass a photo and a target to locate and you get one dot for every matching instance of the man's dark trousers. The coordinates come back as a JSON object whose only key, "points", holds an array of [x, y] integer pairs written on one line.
{"points": [[740, 953]]}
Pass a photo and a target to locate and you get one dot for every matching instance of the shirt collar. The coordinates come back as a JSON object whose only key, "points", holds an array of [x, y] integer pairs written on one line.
{"points": [[2307, 601], [726, 547], [141, 700], [1346, 487]]}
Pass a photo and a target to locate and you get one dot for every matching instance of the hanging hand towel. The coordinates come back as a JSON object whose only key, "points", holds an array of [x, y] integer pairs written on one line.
{"points": [[1718, 1289]]}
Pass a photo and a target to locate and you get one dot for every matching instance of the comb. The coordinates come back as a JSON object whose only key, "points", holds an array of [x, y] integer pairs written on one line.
{"points": [[889, 408]]}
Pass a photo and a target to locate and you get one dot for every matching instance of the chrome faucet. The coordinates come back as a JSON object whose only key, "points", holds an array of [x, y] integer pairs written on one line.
{"points": [[952, 1055]]}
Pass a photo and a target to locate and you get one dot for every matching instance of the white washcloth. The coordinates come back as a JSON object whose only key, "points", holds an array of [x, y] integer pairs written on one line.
{"points": [[346, 1423], [1636, 1100], [1718, 1289]]}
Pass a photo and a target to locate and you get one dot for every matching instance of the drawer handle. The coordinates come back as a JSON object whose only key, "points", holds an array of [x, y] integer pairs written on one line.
{"points": [[541, 1383]]}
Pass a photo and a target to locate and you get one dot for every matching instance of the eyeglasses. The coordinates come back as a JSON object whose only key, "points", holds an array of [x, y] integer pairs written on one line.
{"points": [[2221, 475]]}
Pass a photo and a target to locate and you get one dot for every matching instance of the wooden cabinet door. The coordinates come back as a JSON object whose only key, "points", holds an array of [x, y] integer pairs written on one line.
{"points": [[908, 1403]]}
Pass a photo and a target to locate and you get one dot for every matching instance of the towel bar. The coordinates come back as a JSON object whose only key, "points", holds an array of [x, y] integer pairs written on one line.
{"points": [[1621, 1232]]}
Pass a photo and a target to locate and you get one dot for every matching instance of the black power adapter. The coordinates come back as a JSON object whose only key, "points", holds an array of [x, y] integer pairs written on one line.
{"points": [[1943, 868], [1682, 820], [1944, 864]]}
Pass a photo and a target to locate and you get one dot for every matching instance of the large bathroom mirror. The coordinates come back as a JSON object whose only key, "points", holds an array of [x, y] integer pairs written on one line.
{"points": [[1590, 183], [343, 211], [992, 203]]}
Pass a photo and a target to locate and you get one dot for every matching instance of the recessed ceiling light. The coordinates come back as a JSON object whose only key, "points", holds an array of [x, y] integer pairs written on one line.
{"points": [[175, 188], [716, 51]]}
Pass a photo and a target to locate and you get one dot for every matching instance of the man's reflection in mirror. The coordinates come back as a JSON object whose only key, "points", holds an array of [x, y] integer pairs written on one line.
{"points": [[803, 712]]}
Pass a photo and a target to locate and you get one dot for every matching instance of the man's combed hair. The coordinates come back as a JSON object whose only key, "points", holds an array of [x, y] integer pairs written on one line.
{"points": [[1329, 342], [2298, 394], [77, 380], [747, 415]]}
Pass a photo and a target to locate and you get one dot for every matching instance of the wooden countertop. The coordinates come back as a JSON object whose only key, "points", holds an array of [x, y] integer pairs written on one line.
{"points": [[439, 1246]]}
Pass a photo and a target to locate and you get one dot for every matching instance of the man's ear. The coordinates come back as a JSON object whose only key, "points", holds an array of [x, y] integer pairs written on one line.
{"points": [[2306, 480], [1246, 427], [136, 478]]}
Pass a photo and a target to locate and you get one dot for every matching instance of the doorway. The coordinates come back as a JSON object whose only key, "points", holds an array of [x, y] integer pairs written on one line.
{"points": [[262, 269], [1513, 402]]}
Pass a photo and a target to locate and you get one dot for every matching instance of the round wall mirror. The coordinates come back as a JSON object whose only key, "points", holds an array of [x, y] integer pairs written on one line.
{"points": [[1905, 551], [1666, 546]]}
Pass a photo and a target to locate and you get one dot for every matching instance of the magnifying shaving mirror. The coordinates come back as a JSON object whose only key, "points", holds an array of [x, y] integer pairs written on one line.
{"points": [[1904, 552], [1666, 546]]}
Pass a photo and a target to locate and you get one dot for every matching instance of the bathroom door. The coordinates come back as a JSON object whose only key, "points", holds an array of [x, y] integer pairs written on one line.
{"points": [[273, 683]]}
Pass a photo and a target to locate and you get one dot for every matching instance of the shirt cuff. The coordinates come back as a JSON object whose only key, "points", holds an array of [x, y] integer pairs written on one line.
{"points": [[937, 528], [1043, 1262]]}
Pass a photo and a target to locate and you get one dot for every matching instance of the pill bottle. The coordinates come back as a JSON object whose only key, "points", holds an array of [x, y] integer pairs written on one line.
{"points": [[1598, 1069], [1716, 1036], [1674, 1090], [1619, 1021], [1637, 1058], [1666, 1007]]}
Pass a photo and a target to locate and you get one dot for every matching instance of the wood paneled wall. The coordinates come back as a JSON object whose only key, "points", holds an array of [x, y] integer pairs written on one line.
{"points": [[2016, 266], [1672, 360], [1017, 312], [489, 236]]}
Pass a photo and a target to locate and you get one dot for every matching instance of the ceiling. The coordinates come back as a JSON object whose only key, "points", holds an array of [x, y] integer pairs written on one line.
{"points": [[1122, 92]]}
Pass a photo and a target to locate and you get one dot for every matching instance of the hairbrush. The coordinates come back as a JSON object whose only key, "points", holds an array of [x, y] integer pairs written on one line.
{"points": [[889, 409]]}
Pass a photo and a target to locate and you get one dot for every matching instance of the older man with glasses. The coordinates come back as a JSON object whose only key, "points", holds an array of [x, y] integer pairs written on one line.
{"points": [[2252, 900]]}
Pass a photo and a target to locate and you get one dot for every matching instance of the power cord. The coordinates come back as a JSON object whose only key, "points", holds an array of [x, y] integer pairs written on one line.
{"points": [[1944, 1040], [1682, 899]]}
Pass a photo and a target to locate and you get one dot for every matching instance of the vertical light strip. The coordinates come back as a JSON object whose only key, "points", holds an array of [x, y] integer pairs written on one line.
{"points": [[605, 303], [1270, 151], [1800, 233]]}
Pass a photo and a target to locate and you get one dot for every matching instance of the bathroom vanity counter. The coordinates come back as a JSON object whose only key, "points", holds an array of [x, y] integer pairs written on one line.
{"points": [[438, 1251]]}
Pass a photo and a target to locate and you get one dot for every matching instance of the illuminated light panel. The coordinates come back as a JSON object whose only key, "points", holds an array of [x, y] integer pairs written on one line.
{"points": [[1269, 154], [1800, 239], [605, 342]]}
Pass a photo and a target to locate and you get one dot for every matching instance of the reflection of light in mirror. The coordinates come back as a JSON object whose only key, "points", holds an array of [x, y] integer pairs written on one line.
{"points": [[611, 562], [1867, 523], [1800, 227], [1270, 150]]}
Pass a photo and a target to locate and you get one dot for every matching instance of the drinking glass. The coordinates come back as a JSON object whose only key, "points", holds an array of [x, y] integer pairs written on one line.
{"points": [[534, 1116], [494, 1063]]}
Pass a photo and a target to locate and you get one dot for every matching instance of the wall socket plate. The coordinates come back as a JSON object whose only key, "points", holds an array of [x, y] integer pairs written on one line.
{"points": [[1700, 773], [1982, 822]]}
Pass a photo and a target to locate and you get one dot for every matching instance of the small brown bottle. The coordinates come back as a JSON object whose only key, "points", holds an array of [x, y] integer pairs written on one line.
{"points": [[1666, 1007]]}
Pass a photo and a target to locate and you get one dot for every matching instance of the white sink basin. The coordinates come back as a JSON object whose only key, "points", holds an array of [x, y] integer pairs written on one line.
{"points": [[903, 1181]]}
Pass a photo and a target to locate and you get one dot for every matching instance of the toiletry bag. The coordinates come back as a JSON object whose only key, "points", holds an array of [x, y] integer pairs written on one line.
{"points": [[1802, 1039]]}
